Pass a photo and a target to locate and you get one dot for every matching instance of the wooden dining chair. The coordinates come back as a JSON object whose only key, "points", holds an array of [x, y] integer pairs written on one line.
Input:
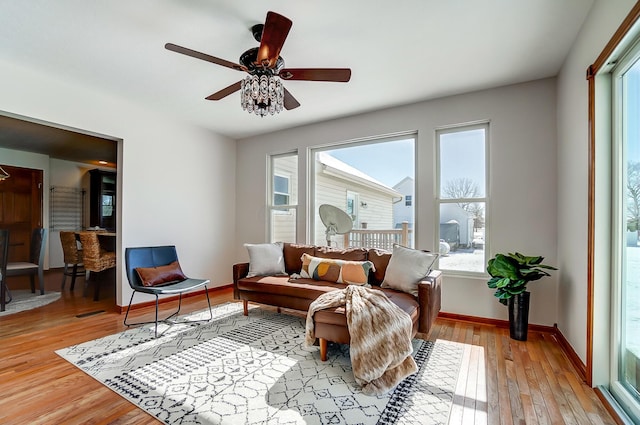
{"points": [[96, 259], [4, 256], [35, 264], [73, 258]]}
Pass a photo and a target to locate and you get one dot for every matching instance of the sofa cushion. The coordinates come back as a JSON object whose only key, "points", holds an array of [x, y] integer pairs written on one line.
{"points": [[281, 285], [333, 270], [380, 259], [293, 256], [348, 254], [336, 315], [265, 259], [152, 276], [406, 268]]}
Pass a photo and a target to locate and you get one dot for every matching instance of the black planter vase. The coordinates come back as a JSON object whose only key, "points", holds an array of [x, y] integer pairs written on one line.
{"points": [[519, 316]]}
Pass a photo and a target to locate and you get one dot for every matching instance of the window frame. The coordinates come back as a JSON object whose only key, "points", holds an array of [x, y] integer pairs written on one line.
{"points": [[618, 388], [311, 187], [439, 200]]}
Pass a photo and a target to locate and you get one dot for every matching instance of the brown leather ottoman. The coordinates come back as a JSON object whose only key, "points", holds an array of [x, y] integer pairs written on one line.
{"points": [[331, 324]]}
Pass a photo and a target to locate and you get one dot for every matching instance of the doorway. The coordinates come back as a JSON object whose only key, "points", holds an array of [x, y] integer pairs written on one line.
{"points": [[20, 208]]}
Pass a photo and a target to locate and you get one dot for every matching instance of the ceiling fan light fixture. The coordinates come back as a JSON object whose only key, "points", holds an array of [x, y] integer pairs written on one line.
{"points": [[3, 174], [262, 94]]}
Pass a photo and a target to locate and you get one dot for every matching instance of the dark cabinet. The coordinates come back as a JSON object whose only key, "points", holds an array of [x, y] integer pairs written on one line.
{"points": [[102, 199]]}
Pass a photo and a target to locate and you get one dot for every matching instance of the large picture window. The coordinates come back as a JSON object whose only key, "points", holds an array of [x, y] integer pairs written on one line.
{"points": [[283, 197], [462, 198], [368, 181]]}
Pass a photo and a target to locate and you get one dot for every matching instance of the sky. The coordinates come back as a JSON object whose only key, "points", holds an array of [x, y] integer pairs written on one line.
{"points": [[463, 155], [387, 162]]}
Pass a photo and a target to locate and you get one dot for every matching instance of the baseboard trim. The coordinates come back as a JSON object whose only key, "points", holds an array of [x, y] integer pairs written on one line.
{"points": [[138, 306], [566, 348]]}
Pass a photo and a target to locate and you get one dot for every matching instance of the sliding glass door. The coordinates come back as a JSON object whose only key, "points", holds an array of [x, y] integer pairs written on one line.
{"points": [[626, 231]]}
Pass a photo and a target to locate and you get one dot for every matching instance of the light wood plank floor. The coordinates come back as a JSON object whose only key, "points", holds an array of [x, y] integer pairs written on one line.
{"points": [[504, 381]]}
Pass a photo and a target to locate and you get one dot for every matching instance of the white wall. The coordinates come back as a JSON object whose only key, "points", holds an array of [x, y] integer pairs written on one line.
{"points": [[176, 182], [522, 155], [65, 174], [603, 20]]}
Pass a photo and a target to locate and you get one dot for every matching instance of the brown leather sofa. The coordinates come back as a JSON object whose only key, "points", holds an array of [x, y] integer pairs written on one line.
{"points": [[330, 324]]}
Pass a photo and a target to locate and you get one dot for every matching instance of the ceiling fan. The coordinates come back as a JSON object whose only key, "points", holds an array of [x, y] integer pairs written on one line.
{"points": [[262, 91]]}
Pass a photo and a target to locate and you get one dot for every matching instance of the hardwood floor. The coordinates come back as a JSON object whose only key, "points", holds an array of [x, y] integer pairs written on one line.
{"points": [[504, 382]]}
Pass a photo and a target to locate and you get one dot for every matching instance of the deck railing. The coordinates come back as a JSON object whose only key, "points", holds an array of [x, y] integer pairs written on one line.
{"points": [[380, 239]]}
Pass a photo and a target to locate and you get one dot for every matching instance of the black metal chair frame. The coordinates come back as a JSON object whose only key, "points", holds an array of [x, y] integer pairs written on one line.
{"points": [[154, 257]]}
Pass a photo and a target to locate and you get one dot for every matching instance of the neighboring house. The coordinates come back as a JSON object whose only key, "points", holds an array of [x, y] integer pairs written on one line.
{"points": [[403, 210], [285, 187], [368, 202]]}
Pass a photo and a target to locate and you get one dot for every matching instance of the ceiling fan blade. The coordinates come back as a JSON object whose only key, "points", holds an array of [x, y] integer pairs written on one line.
{"points": [[276, 29], [341, 75], [203, 56], [290, 102], [224, 92]]}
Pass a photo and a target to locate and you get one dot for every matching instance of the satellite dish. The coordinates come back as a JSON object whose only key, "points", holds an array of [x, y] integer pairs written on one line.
{"points": [[335, 220]]}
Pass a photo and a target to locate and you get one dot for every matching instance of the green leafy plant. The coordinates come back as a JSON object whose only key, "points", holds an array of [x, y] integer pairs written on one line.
{"points": [[511, 273]]}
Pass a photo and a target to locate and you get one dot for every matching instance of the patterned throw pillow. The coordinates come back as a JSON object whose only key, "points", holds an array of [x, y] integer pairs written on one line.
{"points": [[333, 270]]}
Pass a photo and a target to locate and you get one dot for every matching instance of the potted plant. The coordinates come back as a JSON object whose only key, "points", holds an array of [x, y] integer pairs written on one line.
{"points": [[510, 275]]}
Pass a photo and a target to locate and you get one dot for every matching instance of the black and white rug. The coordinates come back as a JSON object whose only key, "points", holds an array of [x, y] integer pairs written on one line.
{"points": [[256, 370]]}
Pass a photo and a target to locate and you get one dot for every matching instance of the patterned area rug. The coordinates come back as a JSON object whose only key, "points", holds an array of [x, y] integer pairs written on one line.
{"points": [[255, 370], [25, 300]]}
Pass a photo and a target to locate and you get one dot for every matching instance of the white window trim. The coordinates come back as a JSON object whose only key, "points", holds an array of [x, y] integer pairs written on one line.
{"points": [[485, 124], [618, 227], [311, 181]]}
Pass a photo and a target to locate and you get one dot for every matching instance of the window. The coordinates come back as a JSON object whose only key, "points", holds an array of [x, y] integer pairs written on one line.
{"points": [[280, 190], [283, 199], [352, 207], [407, 200], [462, 197], [625, 255], [366, 179]]}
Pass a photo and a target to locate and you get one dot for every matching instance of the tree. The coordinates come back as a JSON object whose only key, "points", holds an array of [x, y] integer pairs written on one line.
{"points": [[465, 188], [633, 196]]}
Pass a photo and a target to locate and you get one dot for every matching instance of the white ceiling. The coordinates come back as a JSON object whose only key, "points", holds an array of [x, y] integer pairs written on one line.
{"points": [[400, 52]]}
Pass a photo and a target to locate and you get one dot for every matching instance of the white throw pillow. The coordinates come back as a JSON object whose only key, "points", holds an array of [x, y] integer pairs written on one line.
{"points": [[265, 259], [406, 268]]}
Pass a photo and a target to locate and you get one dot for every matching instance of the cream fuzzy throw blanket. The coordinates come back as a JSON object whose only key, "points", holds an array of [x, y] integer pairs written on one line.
{"points": [[380, 334]]}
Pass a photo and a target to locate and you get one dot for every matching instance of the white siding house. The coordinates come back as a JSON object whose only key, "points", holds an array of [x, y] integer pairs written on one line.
{"points": [[284, 192], [366, 200], [403, 210]]}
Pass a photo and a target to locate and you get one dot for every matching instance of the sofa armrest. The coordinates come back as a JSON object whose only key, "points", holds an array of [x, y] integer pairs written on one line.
{"points": [[240, 270], [429, 298]]}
